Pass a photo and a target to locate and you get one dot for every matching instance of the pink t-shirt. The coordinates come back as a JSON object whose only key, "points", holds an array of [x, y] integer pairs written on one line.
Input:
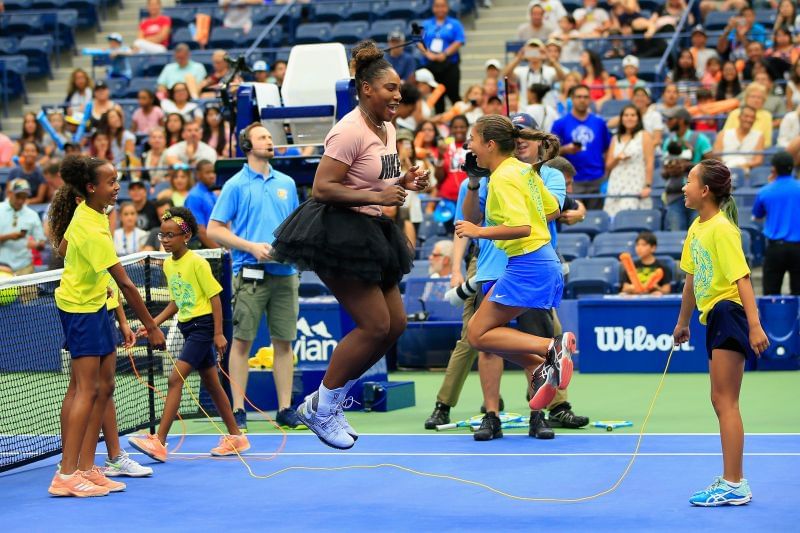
{"points": [[142, 124], [151, 26], [373, 166], [6, 150]]}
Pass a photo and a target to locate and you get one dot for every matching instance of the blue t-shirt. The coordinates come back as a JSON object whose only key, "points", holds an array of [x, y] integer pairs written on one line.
{"points": [[438, 38], [200, 201], [595, 139], [779, 202], [491, 259], [557, 186], [256, 205], [404, 64], [757, 33]]}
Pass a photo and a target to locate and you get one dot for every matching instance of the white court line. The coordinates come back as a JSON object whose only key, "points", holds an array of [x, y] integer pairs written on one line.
{"points": [[468, 454], [456, 433]]}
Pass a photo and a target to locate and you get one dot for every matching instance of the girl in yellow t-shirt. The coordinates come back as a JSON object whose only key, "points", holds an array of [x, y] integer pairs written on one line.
{"points": [[194, 296], [118, 463], [89, 335], [718, 282], [518, 207]]}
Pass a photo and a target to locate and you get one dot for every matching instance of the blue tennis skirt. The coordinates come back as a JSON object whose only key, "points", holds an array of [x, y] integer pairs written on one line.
{"points": [[533, 280], [88, 334], [728, 330]]}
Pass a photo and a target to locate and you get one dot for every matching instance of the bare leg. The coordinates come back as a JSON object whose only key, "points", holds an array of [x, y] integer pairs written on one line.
{"points": [[105, 390], [397, 324], [283, 372], [239, 370], [490, 369], [726, 372], [75, 417], [110, 430], [180, 372], [220, 399]]}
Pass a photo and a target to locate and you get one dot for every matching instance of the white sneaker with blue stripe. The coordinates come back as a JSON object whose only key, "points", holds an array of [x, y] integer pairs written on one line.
{"points": [[327, 428], [720, 492]]}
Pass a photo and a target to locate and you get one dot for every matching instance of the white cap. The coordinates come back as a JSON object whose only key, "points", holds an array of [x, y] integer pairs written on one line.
{"points": [[493, 63], [425, 76], [260, 66], [630, 61]]}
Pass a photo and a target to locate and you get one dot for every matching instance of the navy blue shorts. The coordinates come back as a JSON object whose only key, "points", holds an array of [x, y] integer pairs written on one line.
{"points": [[87, 334], [198, 344], [728, 329]]}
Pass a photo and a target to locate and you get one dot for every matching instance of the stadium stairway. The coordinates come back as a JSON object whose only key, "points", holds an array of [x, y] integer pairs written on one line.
{"points": [[486, 39], [124, 21]]}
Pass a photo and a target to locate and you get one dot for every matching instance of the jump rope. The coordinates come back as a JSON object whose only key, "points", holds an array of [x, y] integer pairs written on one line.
{"points": [[401, 468]]}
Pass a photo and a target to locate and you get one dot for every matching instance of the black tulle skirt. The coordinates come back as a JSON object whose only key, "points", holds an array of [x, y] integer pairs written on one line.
{"points": [[339, 242]]}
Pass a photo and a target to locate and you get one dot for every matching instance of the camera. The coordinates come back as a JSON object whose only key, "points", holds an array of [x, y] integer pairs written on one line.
{"points": [[677, 151], [457, 295]]}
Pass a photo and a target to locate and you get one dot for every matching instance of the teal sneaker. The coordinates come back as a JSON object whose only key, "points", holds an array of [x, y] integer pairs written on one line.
{"points": [[721, 493]]}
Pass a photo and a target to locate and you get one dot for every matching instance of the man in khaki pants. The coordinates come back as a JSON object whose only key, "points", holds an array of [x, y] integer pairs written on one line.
{"points": [[254, 202]]}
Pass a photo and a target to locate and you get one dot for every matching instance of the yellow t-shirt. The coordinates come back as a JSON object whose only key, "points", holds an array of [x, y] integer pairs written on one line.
{"points": [[113, 300], [517, 197], [713, 254], [191, 285], [89, 254]]}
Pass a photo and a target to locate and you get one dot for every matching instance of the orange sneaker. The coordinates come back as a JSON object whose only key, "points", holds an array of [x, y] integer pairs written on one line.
{"points": [[231, 445], [75, 485], [150, 446], [96, 476]]}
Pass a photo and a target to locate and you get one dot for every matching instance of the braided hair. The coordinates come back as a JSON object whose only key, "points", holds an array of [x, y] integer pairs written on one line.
{"points": [[502, 131], [715, 175]]}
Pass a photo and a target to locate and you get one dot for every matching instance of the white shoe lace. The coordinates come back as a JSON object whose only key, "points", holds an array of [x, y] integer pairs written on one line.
{"points": [[347, 403]]}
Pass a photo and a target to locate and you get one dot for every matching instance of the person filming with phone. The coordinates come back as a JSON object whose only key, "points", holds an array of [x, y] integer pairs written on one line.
{"points": [[20, 229], [537, 68]]}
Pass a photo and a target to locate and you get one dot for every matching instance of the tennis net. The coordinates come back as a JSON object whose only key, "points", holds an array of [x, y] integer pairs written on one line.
{"points": [[35, 369]]}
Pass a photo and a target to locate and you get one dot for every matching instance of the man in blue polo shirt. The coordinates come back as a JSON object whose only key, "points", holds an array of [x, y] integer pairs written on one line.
{"points": [[584, 140], [442, 37], [201, 200], [778, 203], [255, 201]]}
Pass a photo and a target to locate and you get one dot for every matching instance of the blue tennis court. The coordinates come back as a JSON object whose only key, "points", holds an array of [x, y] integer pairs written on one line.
{"points": [[193, 491]]}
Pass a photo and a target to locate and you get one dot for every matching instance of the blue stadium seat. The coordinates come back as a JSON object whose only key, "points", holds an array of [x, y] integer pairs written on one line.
{"points": [[759, 176], [311, 285], [88, 12], [637, 220], [419, 269], [756, 238], [573, 245], [426, 249], [745, 198], [222, 37], [613, 244], [670, 243], [137, 84], [19, 25], [612, 108], [596, 221], [766, 17], [329, 12], [273, 39], [368, 11], [430, 229], [672, 265], [38, 49], [402, 9], [156, 63], [8, 46], [184, 35], [128, 105], [648, 68], [138, 64], [737, 177], [592, 275], [349, 32], [17, 5], [117, 87], [310, 33], [124, 194], [426, 294], [717, 20], [380, 29], [181, 17], [13, 70]]}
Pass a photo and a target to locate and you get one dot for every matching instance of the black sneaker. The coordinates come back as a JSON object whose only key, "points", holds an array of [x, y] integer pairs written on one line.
{"points": [[440, 415], [241, 420], [287, 418], [490, 428], [502, 406], [543, 383], [539, 427], [561, 416]]}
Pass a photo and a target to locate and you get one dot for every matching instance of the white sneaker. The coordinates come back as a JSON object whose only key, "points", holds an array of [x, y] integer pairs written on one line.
{"points": [[327, 428], [123, 465], [343, 421]]}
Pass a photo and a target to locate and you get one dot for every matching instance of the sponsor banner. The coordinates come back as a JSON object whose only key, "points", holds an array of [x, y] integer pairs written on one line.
{"points": [[634, 334]]}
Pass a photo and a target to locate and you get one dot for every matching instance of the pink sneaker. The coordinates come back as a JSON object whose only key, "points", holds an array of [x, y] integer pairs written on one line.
{"points": [[150, 446], [231, 445]]}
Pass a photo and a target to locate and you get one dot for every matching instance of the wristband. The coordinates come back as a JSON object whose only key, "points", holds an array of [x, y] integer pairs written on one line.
{"points": [[471, 188]]}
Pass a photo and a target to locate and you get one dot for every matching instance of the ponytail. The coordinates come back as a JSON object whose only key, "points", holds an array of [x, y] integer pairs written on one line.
{"points": [[549, 144], [502, 131], [59, 215], [728, 206]]}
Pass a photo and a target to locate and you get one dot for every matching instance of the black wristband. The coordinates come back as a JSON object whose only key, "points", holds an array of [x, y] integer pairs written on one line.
{"points": [[473, 188]]}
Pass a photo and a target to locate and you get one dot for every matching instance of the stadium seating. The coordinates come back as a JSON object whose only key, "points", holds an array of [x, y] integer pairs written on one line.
{"points": [[430, 229], [759, 176], [592, 275], [184, 35], [311, 285], [613, 244], [222, 37], [573, 245], [596, 221], [380, 29], [670, 243], [637, 220], [717, 20], [349, 32], [779, 318], [330, 12], [313, 32], [613, 108]]}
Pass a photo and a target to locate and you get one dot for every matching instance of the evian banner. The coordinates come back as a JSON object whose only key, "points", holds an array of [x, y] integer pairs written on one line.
{"points": [[624, 334]]}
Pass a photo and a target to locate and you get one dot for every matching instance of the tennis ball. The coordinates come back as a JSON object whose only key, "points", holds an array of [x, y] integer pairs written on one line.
{"points": [[8, 295]]}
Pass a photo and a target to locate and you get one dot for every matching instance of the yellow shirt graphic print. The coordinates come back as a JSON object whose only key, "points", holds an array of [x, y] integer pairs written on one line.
{"points": [[191, 285], [713, 254]]}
